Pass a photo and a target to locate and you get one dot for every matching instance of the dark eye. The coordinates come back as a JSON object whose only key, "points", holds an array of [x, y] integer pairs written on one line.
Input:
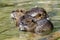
{"points": [[39, 14], [23, 17], [33, 21], [21, 10]]}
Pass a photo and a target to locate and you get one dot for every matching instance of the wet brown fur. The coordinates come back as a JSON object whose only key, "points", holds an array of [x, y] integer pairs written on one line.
{"points": [[19, 13], [41, 14]]}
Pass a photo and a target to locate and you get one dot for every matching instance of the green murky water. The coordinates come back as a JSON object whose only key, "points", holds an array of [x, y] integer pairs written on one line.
{"points": [[8, 31]]}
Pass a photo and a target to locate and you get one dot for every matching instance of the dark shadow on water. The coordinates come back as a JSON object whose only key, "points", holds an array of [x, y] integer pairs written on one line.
{"points": [[56, 29]]}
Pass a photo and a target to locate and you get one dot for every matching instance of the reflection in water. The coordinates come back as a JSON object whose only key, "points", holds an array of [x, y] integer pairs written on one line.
{"points": [[32, 36]]}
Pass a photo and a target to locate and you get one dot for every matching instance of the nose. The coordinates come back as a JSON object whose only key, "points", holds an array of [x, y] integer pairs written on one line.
{"points": [[12, 16], [21, 28]]}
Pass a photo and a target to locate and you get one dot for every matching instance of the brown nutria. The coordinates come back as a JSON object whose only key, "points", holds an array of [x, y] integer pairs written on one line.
{"points": [[34, 20], [39, 17]]}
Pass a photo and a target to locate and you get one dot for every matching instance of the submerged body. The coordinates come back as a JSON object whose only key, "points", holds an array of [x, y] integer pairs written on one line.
{"points": [[44, 26]]}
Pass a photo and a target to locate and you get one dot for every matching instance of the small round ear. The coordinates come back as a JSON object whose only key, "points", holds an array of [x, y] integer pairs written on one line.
{"points": [[17, 10], [22, 10]]}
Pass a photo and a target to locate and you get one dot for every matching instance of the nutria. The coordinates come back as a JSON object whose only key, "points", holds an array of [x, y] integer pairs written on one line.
{"points": [[39, 17], [34, 20]]}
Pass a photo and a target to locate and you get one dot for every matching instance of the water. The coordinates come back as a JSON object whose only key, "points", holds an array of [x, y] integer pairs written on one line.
{"points": [[52, 7]]}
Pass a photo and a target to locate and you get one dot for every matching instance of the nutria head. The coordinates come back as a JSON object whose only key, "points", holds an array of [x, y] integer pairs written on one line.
{"points": [[16, 14], [37, 13]]}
